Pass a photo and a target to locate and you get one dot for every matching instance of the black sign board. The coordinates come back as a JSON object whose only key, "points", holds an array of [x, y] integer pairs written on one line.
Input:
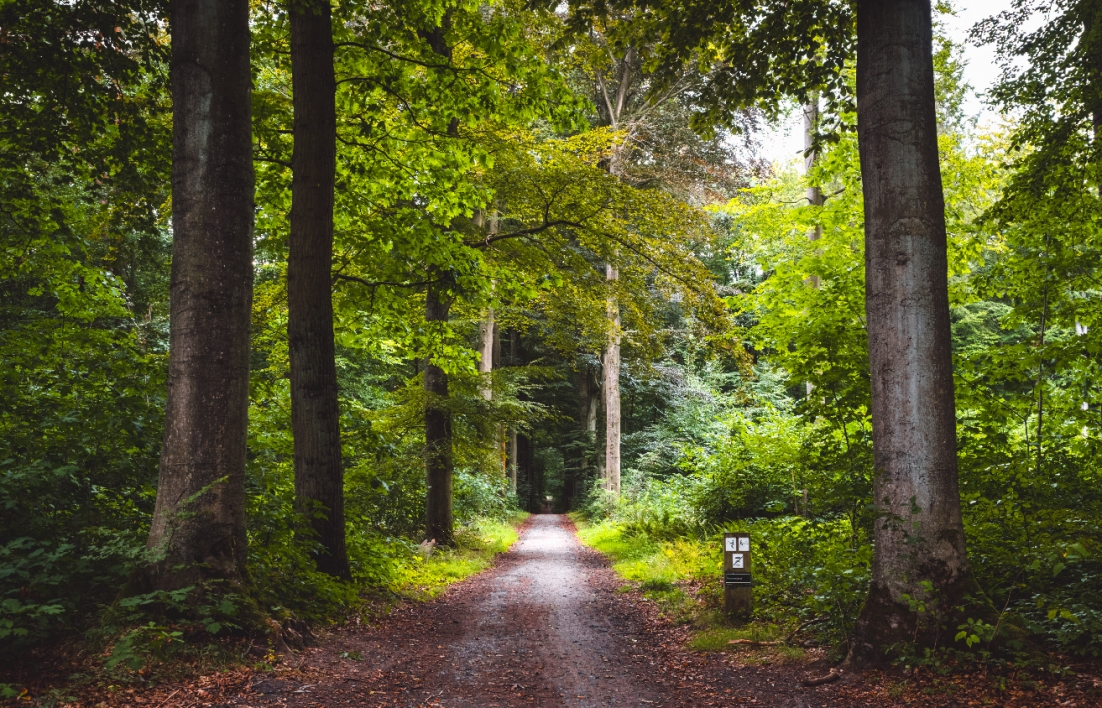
{"points": [[742, 579]]}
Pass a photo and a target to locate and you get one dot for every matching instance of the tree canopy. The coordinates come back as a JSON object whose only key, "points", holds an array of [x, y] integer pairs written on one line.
{"points": [[523, 186]]}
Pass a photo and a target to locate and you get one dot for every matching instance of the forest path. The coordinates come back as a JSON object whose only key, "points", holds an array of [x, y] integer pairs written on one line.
{"points": [[545, 627]]}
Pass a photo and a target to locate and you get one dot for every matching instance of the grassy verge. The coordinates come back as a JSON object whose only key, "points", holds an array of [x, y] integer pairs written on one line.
{"points": [[425, 576], [683, 577]]}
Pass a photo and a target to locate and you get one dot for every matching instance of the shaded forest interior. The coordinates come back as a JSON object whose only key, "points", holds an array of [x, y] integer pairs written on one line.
{"points": [[304, 305]]}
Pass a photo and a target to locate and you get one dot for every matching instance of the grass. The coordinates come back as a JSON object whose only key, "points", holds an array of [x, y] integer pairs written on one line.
{"points": [[423, 577], [683, 577]]}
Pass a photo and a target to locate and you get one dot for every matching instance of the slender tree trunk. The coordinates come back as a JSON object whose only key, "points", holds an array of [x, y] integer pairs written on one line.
{"points": [[513, 450], [594, 406], [918, 533], [1093, 42], [525, 458], [438, 436], [488, 350], [512, 455], [814, 198], [198, 528], [1041, 379], [611, 391], [814, 192], [315, 412], [582, 382], [486, 353]]}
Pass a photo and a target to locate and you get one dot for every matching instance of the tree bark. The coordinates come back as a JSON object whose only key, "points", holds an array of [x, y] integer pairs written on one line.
{"points": [[814, 198], [814, 192], [315, 412], [512, 450], [198, 528], [488, 350], [439, 523], [526, 471], [918, 533], [486, 353], [512, 459], [611, 390], [583, 388], [594, 407]]}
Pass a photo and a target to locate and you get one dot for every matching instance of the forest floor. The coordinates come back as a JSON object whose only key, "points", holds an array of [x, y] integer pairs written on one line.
{"points": [[552, 625]]}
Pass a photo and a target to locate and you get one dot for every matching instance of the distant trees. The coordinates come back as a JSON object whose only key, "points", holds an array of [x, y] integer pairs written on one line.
{"points": [[759, 53]]}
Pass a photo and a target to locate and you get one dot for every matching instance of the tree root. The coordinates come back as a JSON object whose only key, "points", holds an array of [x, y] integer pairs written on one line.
{"points": [[753, 643], [786, 640], [834, 675]]}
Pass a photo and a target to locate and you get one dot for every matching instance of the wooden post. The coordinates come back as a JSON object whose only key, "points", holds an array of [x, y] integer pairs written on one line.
{"points": [[738, 595]]}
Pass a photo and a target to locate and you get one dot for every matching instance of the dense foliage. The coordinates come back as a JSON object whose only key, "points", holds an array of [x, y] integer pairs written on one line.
{"points": [[745, 380]]}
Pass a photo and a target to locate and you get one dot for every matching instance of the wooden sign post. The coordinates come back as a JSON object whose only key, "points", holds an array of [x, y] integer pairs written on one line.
{"points": [[738, 597]]}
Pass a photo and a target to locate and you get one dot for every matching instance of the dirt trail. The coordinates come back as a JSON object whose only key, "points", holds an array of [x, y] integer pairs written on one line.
{"points": [[545, 627], [551, 625]]}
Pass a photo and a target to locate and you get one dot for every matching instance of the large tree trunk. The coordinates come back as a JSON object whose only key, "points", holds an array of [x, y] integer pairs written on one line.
{"points": [[438, 436], [198, 528], [611, 390], [315, 413], [919, 537]]}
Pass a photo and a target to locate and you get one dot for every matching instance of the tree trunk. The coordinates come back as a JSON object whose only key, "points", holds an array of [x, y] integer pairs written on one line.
{"points": [[814, 192], [525, 471], [438, 436], [594, 407], [814, 198], [918, 533], [512, 459], [198, 528], [513, 451], [315, 413], [582, 385], [488, 350], [611, 390], [486, 353]]}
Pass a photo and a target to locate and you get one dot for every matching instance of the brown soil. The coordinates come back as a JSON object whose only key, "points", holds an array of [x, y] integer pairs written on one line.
{"points": [[545, 627], [549, 626]]}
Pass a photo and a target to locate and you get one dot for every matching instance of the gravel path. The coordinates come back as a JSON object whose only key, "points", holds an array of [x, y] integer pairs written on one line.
{"points": [[552, 625], [546, 626]]}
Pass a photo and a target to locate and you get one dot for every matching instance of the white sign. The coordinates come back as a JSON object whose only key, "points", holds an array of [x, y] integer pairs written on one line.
{"points": [[732, 544], [744, 543], [736, 560]]}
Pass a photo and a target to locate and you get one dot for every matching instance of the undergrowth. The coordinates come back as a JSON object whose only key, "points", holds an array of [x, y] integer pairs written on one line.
{"points": [[807, 576], [424, 576], [145, 641]]}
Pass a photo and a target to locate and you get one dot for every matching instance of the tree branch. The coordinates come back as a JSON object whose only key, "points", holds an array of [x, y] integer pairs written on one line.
{"points": [[378, 283]]}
